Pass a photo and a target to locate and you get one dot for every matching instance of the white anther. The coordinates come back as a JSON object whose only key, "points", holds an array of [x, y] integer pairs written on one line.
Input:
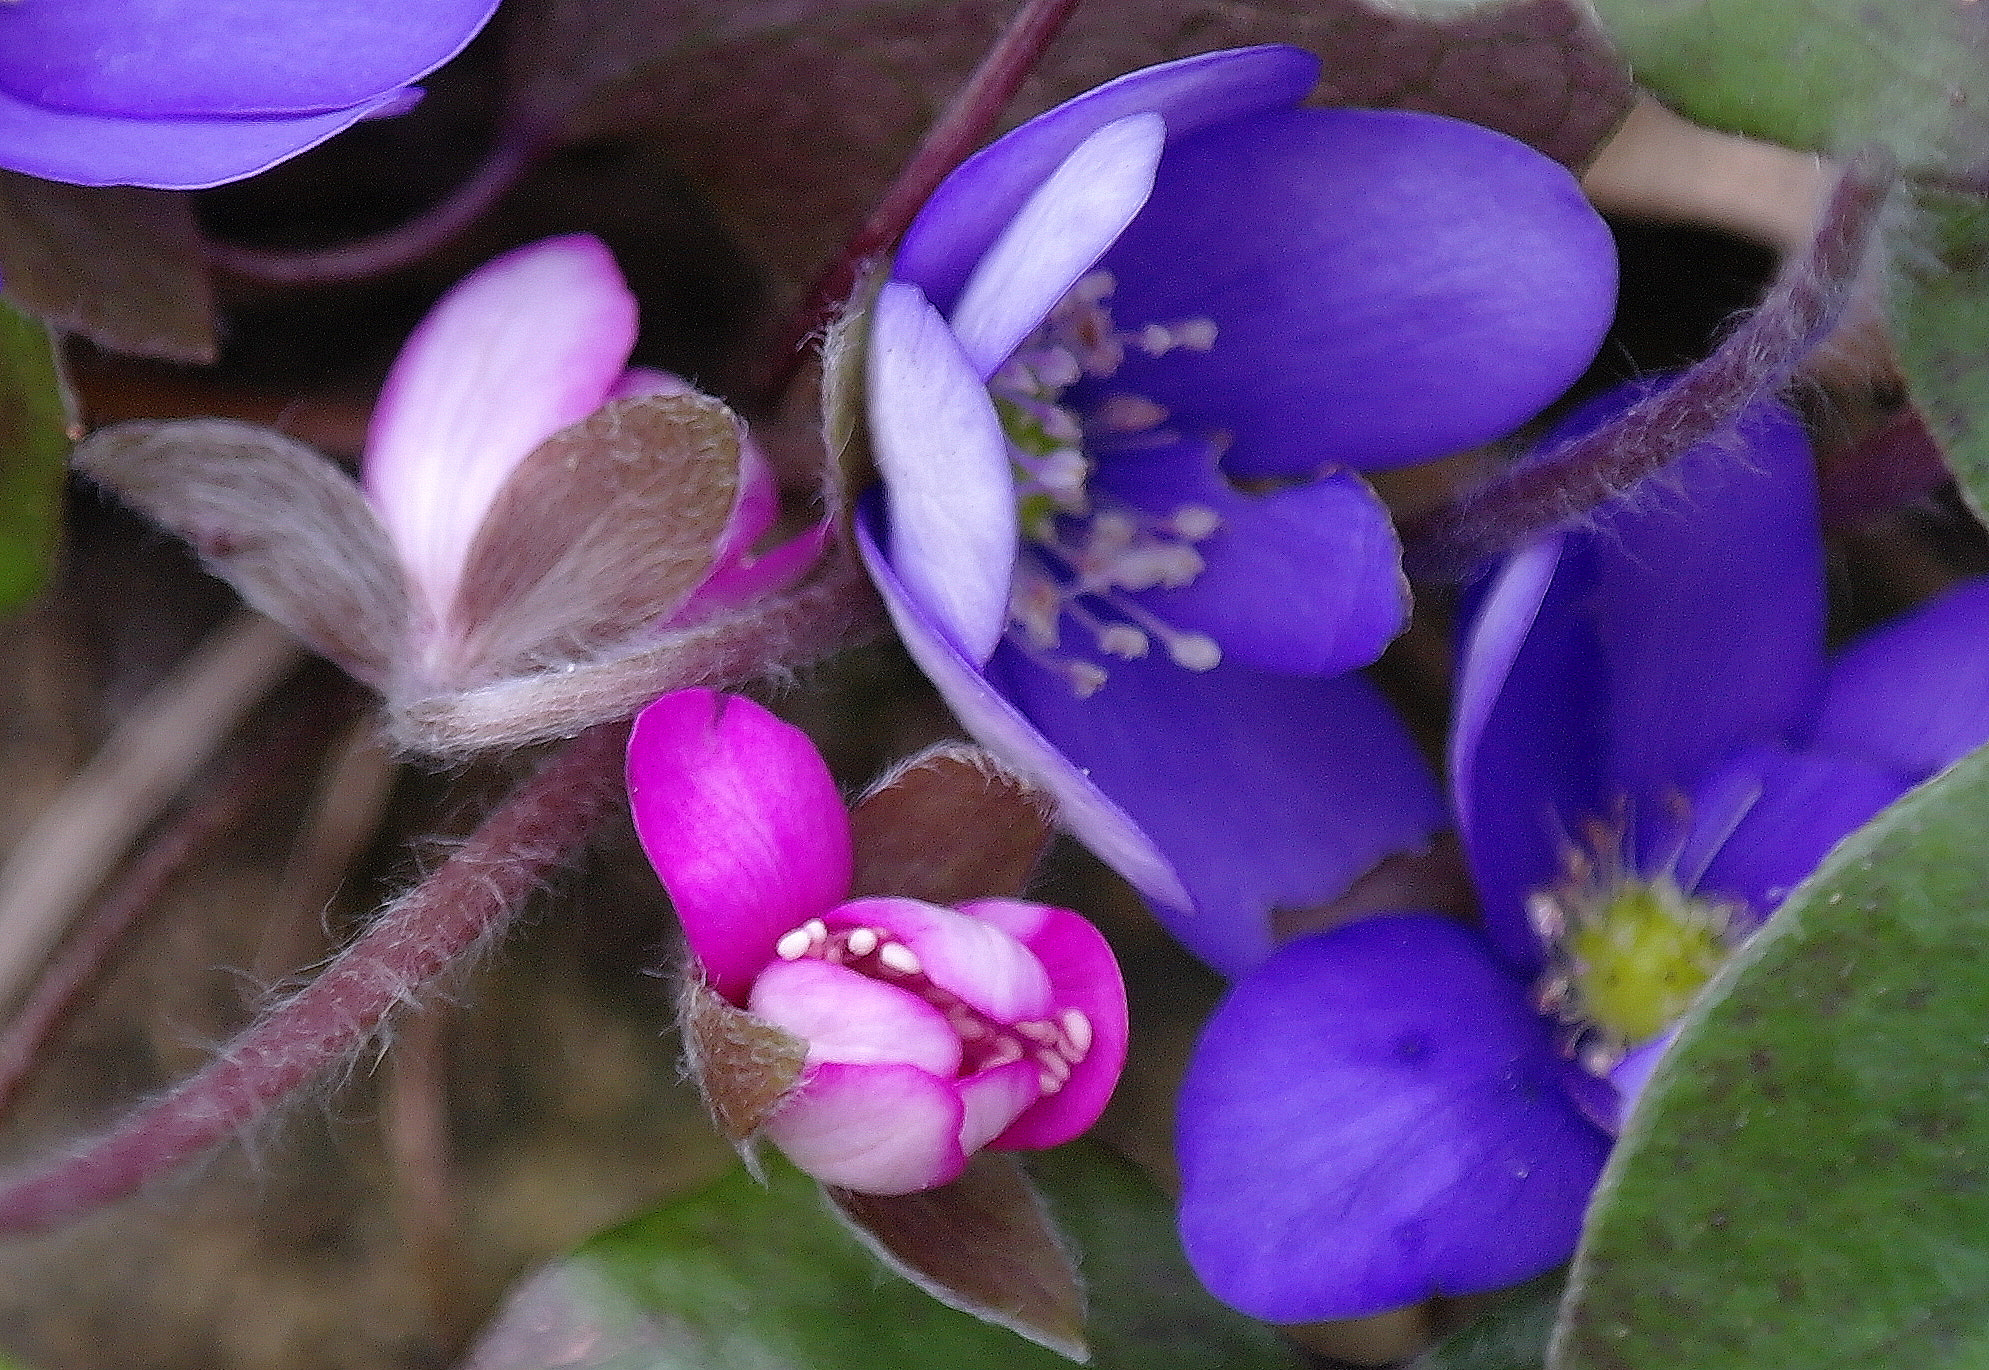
{"points": [[1123, 641], [817, 930], [1077, 1033], [896, 956], [862, 941], [1197, 335], [1047, 1083], [1194, 652], [1007, 1051], [1086, 678], [1194, 522], [1043, 1034], [793, 945], [1127, 414], [1093, 286]]}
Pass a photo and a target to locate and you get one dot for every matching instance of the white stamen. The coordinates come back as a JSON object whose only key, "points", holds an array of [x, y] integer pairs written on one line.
{"points": [[1124, 641], [1047, 1082], [817, 930], [1197, 335], [862, 941], [1127, 414], [1043, 1034], [1194, 652], [896, 956], [1194, 522], [793, 945], [1077, 1033]]}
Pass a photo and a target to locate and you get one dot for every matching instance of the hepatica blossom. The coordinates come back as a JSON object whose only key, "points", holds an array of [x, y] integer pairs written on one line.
{"points": [[182, 94], [929, 1032], [1650, 749], [1127, 362]]}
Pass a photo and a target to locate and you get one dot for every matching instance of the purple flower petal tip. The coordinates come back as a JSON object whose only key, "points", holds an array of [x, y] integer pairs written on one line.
{"points": [[1373, 1117], [182, 95]]}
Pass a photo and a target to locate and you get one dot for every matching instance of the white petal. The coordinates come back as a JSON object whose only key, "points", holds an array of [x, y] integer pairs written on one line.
{"points": [[1060, 234], [944, 460]]}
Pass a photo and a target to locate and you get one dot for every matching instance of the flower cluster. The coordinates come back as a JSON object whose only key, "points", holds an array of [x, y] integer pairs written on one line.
{"points": [[1650, 750], [1119, 383], [928, 1032], [182, 94]]}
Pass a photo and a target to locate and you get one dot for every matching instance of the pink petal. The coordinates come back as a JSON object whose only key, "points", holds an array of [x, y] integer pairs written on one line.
{"points": [[1084, 975], [737, 574], [518, 350], [876, 1129], [993, 1099], [743, 824], [970, 957], [844, 1015]]}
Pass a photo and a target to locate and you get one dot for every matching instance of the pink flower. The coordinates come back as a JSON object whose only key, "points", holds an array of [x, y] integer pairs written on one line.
{"points": [[525, 346], [929, 1032]]}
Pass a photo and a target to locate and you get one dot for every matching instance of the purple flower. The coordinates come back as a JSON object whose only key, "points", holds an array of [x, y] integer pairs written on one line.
{"points": [[930, 1032], [1650, 749], [1125, 360], [182, 94]]}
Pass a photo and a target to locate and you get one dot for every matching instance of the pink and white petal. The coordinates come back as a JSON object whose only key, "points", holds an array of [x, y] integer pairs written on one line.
{"points": [[846, 1016], [944, 458], [994, 1099], [969, 956], [1084, 975], [743, 823], [521, 348], [876, 1129], [1064, 227]]}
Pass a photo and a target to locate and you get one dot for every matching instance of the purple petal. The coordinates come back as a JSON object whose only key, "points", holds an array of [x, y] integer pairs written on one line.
{"points": [[944, 460], [1706, 599], [1305, 580], [969, 956], [1914, 695], [1377, 1115], [203, 58], [519, 349], [1629, 1077], [1064, 228], [1084, 975], [1526, 747], [1086, 813], [1603, 685], [1764, 820], [1386, 286], [1264, 791], [844, 1015], [181, 154], [743, 824], [969, 211], [873, 1128]]}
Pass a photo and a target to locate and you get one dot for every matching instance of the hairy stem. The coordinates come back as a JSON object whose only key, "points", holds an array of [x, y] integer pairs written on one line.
{"points": [[1757, 359], [467, 901], [964, 126]]}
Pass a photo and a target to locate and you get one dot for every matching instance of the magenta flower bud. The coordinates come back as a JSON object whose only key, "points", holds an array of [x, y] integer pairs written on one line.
{"points": [[927, 1032]]}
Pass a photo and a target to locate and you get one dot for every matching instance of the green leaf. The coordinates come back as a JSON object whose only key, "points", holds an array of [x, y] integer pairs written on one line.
{"points": [[1512, 1336], [35, 435], [742, 1275], [1940, 325], [1828, 75], [1805, 1183]]}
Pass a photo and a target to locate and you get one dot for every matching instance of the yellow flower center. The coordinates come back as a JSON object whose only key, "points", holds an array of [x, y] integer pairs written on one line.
{"points": [[1637, 956]]}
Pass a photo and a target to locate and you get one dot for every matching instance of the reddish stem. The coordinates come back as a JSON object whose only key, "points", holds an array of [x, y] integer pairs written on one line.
{"points": [[1564, 487], [469, 900], [964, 126]]}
